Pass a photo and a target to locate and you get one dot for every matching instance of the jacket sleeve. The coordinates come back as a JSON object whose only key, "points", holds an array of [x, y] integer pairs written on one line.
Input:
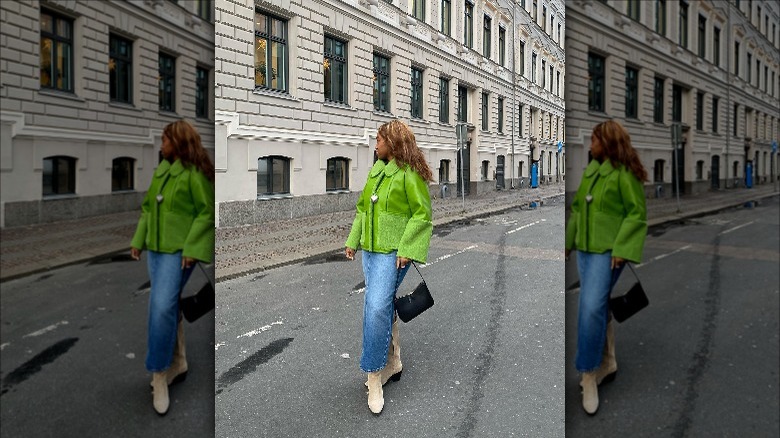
{"points": [[200, 239], [139, 238], [353, 240], [571, 225], [417, 235], [630, 239]]}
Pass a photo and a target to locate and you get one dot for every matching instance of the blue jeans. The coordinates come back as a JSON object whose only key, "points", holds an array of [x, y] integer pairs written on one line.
{"points": [[382, 280], [596, 282], [167, 281]]}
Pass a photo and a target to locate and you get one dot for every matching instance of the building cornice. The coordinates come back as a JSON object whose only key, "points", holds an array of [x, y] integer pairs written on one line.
{"points": [[20, 128]]}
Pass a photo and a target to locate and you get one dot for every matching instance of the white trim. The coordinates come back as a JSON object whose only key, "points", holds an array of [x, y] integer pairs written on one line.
{"points": [[19, 128]]}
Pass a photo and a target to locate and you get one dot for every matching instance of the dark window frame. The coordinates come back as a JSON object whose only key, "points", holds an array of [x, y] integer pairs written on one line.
{"points": [[716, 46], [55, 176], [463, 104], [658, 100], [334, 181], [485, 111], [444, 100], [416, 85], [446, 17], [468, 25], [202, 92], [120, 69], [501, 115], [632, 93], [335, 52], [122, 174], [167, 82], [715, 102], [487, 36], [596, 72], [381, 74], [501, 46], [204, 9], [660, 17], [418, 10], [699, 111], [702, 36], [268, 39], [58, 43], [683, 24], [286, 164]]}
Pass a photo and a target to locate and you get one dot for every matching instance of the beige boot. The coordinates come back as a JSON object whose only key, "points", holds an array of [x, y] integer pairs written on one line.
{"points": [[160, 393], [590, 392], [177, 372], [392, 371], [608, 368], [376, 400]]}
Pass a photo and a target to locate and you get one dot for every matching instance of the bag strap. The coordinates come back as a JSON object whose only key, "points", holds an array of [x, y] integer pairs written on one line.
{"points": [[418, 271], [634, 272]]}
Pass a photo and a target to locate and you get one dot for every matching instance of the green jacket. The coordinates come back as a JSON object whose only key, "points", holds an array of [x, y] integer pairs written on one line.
{"points": [[401, 217], [184, 220], [616, 217]]}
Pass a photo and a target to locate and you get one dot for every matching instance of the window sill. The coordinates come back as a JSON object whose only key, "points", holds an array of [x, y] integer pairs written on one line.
{"points": [[274, 197], [123, 191], [274, 93], [125, 105], [343, 106], [58, 197], [63, 94], [337, 192], [383, 113], [168, 114]]}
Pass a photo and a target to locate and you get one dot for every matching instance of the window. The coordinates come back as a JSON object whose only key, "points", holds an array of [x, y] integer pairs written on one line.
{"points": [[544, 67], [273, 176], [676, 103], [444, 100], [736, 58], [536, 11], [417, 94], [658, 171], [335, 70], [522, 58], [501, 46], [120, 69], [418, 9], [714, 114], [167, 82], [544, 18], [56, 52], [736, 119], [463, 109], [485, 167], [631, 92], [270, 52], [485, 100], [444, 171], [446, 17], [558, 83], [533, 67], [201, 92], [559, 33], [660, 17], [381, 83], [700, 111], [468, 28], [204, 9], [766, 77], [501, 114], [699, 169], [520, 120], [551, 78], [702, 36], [633, 9], [749, 73], [486, 37], [683, 25], [716, 46], [552, 24], [337, 174], [595, 82], [59, 175], [122, 176]]}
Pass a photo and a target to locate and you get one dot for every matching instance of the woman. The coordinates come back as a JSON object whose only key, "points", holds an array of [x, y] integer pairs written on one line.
{"points": [[608, 226], [393, 227], [177, 227]]}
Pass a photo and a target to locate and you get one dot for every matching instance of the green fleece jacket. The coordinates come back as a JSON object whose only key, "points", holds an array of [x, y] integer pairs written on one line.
{"points": [[184, 218], [400, 219], [614, 219]]}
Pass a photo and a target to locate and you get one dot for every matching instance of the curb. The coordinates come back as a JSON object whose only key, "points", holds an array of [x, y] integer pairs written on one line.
{"points": [[706, 210]]}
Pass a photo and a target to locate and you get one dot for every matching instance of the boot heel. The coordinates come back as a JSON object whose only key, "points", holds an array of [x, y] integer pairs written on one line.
{"points": [[396, 377], [180, 378], [609, 377]]}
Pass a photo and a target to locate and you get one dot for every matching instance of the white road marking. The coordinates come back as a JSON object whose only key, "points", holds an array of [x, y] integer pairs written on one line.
{"points": [[220, 344], [45, 329], [735, 228], [260, 330], [445, 257], [2, 347], [524, 226]]}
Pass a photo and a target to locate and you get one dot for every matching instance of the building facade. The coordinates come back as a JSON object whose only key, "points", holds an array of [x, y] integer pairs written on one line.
{"points": [[86, 88], [710, 66], [302, 86]]}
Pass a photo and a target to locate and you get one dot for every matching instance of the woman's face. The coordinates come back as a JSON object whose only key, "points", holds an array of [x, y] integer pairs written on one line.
{"points": [[166, 148], [382, 149], [596, 148]]}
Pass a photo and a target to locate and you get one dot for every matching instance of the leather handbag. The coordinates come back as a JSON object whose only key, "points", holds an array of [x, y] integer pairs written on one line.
{"points": [[626, 305], [195, 306], [415, 303]]}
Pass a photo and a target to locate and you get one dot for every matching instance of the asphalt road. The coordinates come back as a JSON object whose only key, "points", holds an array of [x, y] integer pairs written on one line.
{"points": [[702, 359], [486, 360], [73, 349]]}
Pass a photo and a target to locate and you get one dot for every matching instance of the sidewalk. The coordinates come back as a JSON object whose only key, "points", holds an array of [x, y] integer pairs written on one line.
{"points": [[248, 249]]}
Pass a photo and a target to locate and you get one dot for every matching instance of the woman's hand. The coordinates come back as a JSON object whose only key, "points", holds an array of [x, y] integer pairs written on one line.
{"points": [[187, 262], [568, 253], [617, 262], [401, 262], [350, 253], [135, 253]]}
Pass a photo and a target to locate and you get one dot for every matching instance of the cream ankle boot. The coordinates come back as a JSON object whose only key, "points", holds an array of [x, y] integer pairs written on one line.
{"points": [[177, 372], [590, 392], [392, 371], [160, 393], [376, 400], [608, 368]]}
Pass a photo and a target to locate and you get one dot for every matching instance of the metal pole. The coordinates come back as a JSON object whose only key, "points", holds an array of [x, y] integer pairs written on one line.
{"points": [[729, 48], [462, 176], [514, 96]]}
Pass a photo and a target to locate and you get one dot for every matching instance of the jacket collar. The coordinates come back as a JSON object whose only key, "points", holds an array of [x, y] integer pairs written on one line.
{"points": [[389, 169], [604, 168], [165, 166]]}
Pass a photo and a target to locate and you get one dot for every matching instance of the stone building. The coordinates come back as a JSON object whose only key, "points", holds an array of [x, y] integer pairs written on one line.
{"points": [[301, 88], [711, 66], [86, 88]]}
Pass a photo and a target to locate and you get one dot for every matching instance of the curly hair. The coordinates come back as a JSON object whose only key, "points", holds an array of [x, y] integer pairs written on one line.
{"points": [[189, 149], [617, 147], [403, 147]]}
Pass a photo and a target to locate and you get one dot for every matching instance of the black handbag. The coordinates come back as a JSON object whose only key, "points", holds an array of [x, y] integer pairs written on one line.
{"points": [[626, 305], [415, 303], [195, 306]]}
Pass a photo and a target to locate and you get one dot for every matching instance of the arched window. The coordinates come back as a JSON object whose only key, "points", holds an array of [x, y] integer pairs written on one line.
{"points": [[273, 176], [337, 174], [122, 174], [59, 175]]}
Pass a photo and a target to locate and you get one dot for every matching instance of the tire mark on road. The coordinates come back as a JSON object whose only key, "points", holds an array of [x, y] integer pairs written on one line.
{"points": [[34, 365], [485, 358], [700, 357], [250, 364]]}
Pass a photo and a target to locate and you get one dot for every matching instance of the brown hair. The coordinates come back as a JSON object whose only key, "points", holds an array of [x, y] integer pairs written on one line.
{"points": [[186, 141], [617, 147], [403, 147]]}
